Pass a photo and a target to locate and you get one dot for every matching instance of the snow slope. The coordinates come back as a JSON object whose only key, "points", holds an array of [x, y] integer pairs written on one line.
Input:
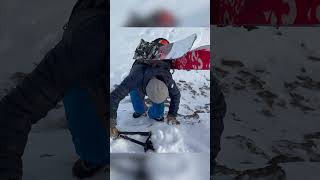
{"points": [[193, 135], [271, 81]]}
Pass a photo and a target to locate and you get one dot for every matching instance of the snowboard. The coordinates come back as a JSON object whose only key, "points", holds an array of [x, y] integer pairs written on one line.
{"points": [[197, 59], [176, 49], [147, 51]]}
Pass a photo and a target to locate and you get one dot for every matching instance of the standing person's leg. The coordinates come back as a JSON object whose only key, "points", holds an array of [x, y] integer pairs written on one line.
{"points": [[88, 134], [137, 100], [76, 60], [156, 111]]}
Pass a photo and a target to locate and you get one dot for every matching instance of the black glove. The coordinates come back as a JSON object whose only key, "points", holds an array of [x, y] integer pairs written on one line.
{"points": [[172, 120], [114, 132]]}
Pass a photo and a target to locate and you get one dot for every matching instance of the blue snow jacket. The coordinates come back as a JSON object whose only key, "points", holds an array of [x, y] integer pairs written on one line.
{"points": [[138, 78]]}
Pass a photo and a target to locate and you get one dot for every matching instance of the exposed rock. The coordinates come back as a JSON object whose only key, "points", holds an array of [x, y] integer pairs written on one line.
{"points": [[284, 159], [268, 97], [248, 144], [220, 72], [272, 172], [232, 63]]}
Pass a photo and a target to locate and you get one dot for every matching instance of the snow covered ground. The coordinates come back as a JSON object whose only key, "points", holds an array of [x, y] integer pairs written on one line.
{"points": [[187, 166], [271, 80], [189, 13], [193, 135]]}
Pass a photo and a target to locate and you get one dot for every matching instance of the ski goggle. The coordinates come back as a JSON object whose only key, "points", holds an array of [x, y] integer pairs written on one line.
{"points": [[163, 42]]}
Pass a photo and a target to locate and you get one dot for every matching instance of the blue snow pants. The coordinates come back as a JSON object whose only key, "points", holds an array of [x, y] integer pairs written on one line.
{"points": [[90, 139], [139, 106]]}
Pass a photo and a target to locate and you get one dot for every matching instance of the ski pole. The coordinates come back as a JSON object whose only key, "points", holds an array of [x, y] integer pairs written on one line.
{"points": [[147, 145], [132, 140], [136, 133]]}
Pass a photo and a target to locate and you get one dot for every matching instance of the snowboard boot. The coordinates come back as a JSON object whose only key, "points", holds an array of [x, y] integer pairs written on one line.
{"points": [[81, 170], [137, 115], [159, 119]]}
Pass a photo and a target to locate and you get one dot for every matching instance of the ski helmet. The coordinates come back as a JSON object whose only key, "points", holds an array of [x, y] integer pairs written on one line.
{"points": [[157, 91], [161, 41]]}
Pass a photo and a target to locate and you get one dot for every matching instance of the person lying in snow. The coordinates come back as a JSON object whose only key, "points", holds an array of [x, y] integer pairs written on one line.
{"points": [[147, 78], [73, 71]]}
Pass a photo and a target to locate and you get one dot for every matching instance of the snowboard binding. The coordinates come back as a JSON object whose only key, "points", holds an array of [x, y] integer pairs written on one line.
{"points": [[150, 50], [146, 50], [146, 145]]}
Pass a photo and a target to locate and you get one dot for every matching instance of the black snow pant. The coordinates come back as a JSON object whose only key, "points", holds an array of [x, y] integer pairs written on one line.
{"points": [[78, 60]]}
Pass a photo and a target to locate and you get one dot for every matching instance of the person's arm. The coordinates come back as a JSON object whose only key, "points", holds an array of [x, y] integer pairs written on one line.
{"points": [[175, 95], [120, 92]]}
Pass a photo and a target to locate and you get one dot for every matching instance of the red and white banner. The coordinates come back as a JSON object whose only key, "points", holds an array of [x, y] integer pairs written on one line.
{"points": [[265, 12]]}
